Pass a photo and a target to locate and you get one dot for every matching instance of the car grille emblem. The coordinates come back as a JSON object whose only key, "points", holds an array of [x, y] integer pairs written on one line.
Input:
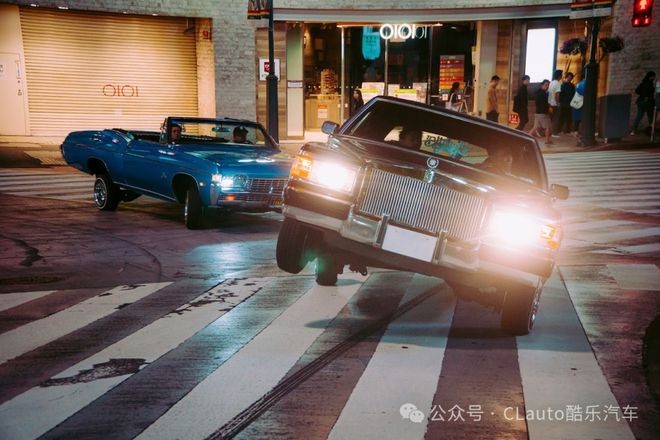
{"points": [[432, 164]]}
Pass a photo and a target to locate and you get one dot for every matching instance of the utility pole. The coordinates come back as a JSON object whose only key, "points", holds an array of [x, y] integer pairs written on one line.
{"points": [[588, 131], [271, 79]]}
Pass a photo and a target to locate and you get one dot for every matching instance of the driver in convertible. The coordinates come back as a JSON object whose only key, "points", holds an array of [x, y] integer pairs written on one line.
{"points": [[239, 135]]}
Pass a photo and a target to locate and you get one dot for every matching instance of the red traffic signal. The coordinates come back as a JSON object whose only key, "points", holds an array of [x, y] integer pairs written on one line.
{"points": [[642, 13]]}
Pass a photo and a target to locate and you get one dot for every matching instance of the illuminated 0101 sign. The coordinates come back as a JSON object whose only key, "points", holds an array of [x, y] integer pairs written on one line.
{"points": [[402, 31]]}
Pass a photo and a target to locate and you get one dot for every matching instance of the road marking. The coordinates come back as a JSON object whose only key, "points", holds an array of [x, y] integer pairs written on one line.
{"points": [[9, 300], [55, 403], [636, 276], [559, 369], [40, 332], [256, 368], [595, 225], [623, 235], [25, 186], [395, 375], [639, 249]]}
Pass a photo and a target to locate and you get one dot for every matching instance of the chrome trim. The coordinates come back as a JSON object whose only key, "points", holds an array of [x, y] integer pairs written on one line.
{"points": [[420, 205]]}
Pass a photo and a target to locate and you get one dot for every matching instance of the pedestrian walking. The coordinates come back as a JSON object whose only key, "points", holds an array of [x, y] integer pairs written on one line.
{"points": [[566, 94], [520, 103], [576, 104], [542, 113], [553, 99], [491, 106], [645, 100]]}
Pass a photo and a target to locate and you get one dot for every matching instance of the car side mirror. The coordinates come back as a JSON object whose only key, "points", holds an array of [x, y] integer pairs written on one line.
{"points": [[329, 127], [560, 192]]}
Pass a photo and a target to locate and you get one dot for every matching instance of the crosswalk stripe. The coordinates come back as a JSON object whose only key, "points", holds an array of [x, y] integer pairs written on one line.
{"points": [[71, 184], [628, 234], [559, 369], [10, 300], [145, 345], [278, 346], [595, 225], [49, 178], [373, 410], [44, 191], [40, 332]]}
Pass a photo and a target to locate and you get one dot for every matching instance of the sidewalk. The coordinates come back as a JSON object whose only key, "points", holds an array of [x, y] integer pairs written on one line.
{"points": [[32, 152]]}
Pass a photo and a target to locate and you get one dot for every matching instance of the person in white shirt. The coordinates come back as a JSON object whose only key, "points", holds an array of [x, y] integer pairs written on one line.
{"points": [[553, 100]]}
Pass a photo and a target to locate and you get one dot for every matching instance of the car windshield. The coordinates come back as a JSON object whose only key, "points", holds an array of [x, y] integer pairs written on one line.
{"points": [[456, 139], [227, 133]]}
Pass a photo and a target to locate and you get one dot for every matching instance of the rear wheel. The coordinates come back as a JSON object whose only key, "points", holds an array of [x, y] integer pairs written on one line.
{"points": [[521, 305], [107, 195], [291, 245], [193, 211]]}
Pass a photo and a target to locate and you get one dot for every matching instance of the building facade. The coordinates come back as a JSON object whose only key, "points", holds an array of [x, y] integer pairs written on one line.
{"points": [[69, 65]]}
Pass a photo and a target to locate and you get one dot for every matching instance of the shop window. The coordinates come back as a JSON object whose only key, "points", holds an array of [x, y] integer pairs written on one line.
{"points": [[540, 53]]}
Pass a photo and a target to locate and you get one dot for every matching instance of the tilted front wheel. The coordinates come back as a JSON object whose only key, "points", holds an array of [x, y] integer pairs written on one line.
{"points": [[521, 305], [291, 246], [106, 194], [193, 211]]}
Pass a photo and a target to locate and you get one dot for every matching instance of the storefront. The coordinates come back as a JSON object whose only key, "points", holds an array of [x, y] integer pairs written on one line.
{"points": [[322, 61], [81, 70], [327, 62]]}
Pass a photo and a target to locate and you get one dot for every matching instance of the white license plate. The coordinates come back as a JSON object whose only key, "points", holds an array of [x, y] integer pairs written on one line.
{"points": [[409, 243]]}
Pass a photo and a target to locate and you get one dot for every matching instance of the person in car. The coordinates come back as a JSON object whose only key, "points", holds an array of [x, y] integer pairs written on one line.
{"points": [[499, 161], [239, 135]]}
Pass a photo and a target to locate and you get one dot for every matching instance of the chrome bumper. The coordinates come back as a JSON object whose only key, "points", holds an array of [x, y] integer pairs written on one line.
{"points": [[449, 255]]}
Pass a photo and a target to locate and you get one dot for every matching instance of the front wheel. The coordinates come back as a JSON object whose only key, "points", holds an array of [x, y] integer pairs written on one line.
{"points": [[193, 211], [291, 246], [519, 310], [107, 194]]}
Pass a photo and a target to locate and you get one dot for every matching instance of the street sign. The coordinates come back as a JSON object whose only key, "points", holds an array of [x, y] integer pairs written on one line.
{"points": [[591, 8], [264, 68]]}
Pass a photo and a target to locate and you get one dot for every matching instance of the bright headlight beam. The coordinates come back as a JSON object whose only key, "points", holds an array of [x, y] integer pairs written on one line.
{"points": [[332, 175]]}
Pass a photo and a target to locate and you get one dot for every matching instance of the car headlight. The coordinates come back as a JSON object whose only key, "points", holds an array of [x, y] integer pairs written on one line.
{"points": [[518, 229], [216, 178], [331, 175]]}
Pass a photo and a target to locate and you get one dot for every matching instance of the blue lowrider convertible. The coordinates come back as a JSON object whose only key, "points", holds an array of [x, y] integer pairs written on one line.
{"points": [[229, 164]]}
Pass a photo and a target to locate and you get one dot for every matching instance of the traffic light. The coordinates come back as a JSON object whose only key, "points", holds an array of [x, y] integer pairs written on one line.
{"points": [[642, 10]]}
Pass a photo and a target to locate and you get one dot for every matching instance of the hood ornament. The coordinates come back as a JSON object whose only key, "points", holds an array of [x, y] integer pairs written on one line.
{"points": [[432, 163]]}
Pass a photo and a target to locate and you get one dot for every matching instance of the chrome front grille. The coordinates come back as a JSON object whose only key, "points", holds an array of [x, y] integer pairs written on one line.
{"points": [[417, 204], [266, 186]]}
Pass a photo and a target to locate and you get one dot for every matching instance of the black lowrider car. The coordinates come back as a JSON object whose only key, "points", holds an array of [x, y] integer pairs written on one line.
{"points": [[407, 186]]}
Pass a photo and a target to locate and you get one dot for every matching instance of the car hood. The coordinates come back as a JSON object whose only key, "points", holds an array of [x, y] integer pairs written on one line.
{"points": [[233, 154]]}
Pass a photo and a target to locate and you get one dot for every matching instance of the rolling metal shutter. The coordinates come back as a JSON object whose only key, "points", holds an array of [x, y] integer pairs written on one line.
{"points": [[94, 71]]}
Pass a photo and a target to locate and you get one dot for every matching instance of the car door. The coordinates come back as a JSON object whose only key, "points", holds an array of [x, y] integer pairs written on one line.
{"points": [[146, 166]]}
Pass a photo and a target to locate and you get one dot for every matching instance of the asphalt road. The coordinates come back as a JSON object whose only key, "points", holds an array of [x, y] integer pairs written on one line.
{"points": [[128, 325]]}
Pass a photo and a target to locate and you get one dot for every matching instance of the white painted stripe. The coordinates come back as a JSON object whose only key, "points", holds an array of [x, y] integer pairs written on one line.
{"points": [[636, 276], [39, 192], [596, 225], [640, 248], [613, 205], [396, 376], [78, 197], [558, 369], [609, 192], [599, 237], [56, 403], [40, 332], [255, 369], [613, 198], [9, 300], [45, 178], [619, 168], [73, 184]]}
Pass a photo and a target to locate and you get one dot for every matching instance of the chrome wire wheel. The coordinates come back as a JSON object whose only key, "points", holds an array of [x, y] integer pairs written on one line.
{"points": [[100, 193]]}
